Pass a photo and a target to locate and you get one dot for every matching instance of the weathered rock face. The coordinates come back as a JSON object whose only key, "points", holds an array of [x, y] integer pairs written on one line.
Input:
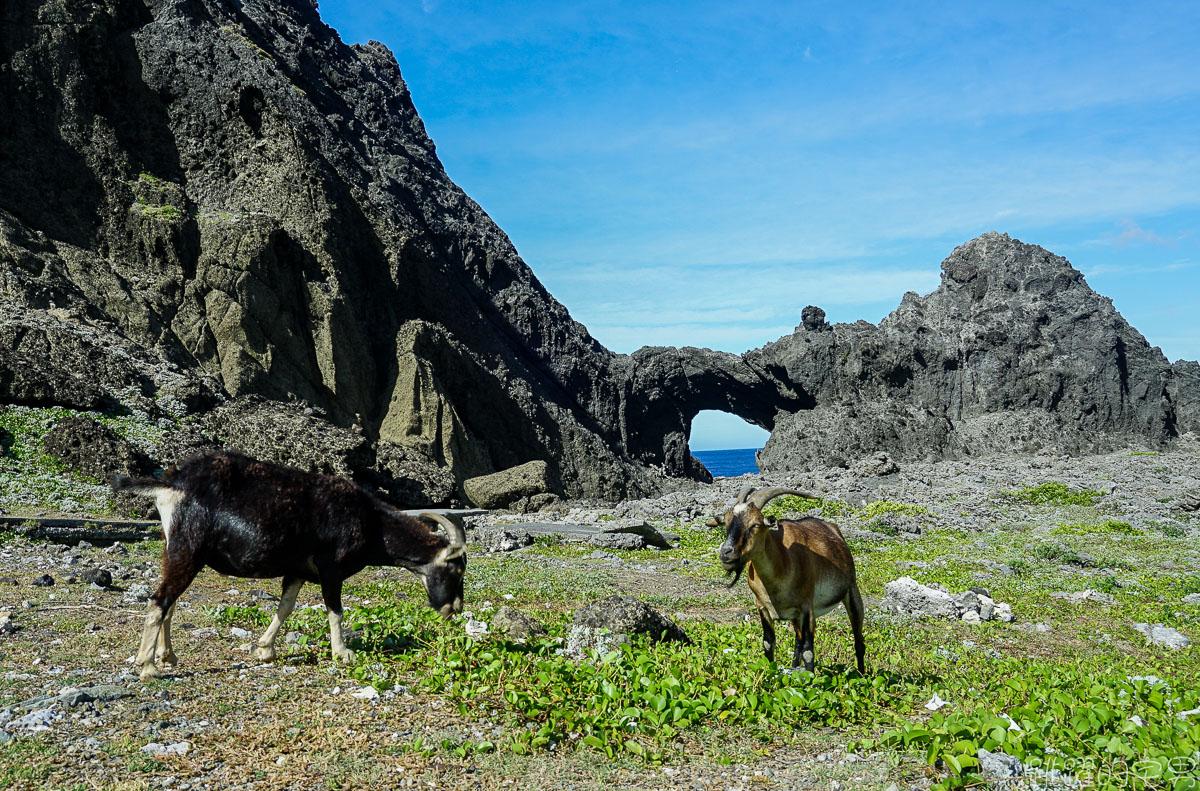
{"points": [[1012, 353], [232, 190], [202, 201]]}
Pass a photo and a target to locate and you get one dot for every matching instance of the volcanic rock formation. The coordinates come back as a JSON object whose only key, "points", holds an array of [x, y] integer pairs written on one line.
{"points": [[205, 202], [1012, 353]]}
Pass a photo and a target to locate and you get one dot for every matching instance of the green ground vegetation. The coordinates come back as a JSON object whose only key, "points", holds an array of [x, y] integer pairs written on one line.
{"points": [[1075, 698]]}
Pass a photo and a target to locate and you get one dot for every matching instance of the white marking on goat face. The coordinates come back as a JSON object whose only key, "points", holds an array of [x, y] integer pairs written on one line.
{"points": [[740, 509], [167, 500]]}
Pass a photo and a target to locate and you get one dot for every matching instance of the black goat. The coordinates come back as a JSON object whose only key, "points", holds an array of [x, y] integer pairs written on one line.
{"points": [[248, 518]]}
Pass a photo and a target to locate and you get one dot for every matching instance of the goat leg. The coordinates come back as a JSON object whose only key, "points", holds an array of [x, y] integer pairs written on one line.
{"points": [[265, 652], [854, 608], [768, 627], [164, 654], [804, 628], [331, 592], [179, 569]]}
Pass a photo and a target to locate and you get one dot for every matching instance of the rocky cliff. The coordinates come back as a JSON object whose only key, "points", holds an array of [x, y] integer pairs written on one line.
{"points": [[231, 197], [209, 207], [1012, 353]]}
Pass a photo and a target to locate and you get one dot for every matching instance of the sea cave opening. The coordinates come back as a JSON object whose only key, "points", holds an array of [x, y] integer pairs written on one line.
{"points": [[725, 443]]}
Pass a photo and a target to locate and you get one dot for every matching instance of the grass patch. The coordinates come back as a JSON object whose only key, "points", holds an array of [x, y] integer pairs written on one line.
{"points": [[1107, 527], [791, 506], [1059, 553], [26, 761], [1053, 493]]}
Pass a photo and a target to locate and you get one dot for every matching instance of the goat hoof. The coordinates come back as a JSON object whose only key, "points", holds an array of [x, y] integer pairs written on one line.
{"points": [[150, 672], [264, 653], [346, 655], [167, 660]]}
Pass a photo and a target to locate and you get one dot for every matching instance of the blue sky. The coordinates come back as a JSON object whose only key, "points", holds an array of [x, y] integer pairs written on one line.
{"points": [[696, 173]]}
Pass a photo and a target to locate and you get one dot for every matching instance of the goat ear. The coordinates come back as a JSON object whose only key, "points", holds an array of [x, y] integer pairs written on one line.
{"points": [[770, 521]]}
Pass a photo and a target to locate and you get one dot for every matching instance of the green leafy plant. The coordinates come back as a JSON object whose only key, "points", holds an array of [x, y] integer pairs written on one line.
{"points": [[1107, 527], [1059, 553], [1053, 493]]}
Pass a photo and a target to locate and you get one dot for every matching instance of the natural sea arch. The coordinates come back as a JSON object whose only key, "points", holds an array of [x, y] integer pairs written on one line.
{"points": [[713, 429]]}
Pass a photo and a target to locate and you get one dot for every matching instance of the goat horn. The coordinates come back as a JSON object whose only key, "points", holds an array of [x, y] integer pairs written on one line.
{"points": [[764, 496], [454, 530], [743, 494]]}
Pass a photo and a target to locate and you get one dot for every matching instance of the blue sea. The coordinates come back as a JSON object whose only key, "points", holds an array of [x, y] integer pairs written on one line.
{"points": [[728, 463]]}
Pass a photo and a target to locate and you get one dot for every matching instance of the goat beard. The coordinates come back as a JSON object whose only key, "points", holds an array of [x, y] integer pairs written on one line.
{"points": [[737, 574]]}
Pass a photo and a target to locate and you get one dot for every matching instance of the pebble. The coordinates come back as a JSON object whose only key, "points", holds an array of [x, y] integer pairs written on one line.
{"points": [[157, 748]]}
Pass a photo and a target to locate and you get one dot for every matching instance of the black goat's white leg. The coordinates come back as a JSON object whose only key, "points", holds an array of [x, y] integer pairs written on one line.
{"points": [[164, 654], [331, 592], [768, 627], [178, 573], [287, 602]]}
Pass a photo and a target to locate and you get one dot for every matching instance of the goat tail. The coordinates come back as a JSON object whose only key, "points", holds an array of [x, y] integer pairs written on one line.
{"points": [[145, 486]]}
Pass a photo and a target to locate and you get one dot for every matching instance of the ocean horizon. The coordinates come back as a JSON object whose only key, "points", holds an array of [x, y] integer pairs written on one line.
{"points": [[728, 463]]}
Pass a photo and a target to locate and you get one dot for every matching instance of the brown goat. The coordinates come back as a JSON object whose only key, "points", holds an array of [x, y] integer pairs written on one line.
{"points": [[798, 569], [248, 518]]}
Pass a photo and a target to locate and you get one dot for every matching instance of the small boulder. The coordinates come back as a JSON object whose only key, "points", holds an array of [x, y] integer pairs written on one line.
{"points": [[967, 601], [498, 539], [876, 466], [1192, 598], [906, 596], [94, 449], [618, 541], [501, 488], [1166, 636], [101, 578], [157, 748], [628, 616], [987, 608], [812, 319], [37, 721], [999, 766], [515, 624], [1078, 597], [637, 527]]}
